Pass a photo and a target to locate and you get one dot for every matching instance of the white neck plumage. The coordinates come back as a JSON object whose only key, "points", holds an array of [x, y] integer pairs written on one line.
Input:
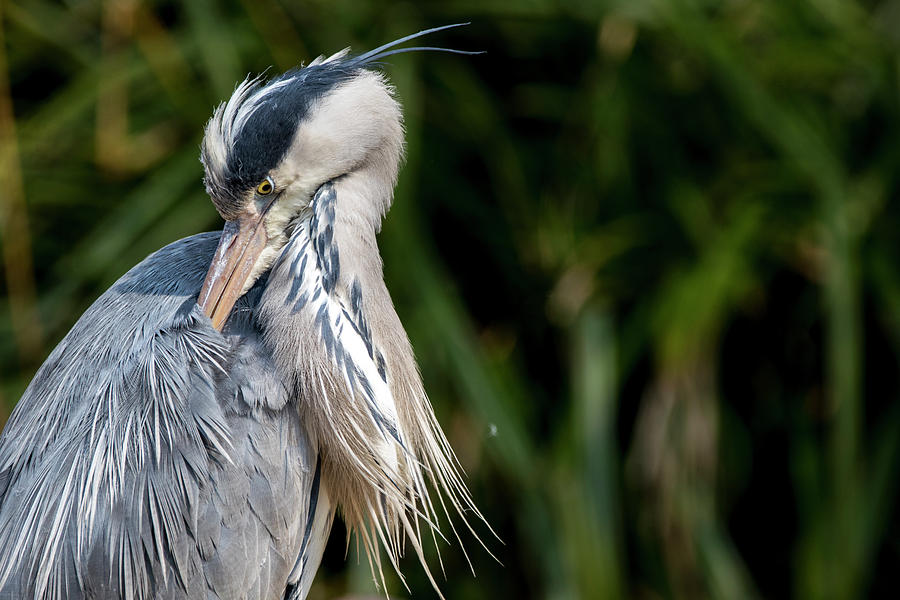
{"points": [[332, 326]]}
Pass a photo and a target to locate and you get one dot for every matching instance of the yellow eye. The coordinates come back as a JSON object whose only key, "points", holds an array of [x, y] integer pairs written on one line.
{"points": [[265, 187]]}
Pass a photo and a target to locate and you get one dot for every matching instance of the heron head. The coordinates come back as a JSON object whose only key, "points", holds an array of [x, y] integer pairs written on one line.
{"points": [[273, 144]]}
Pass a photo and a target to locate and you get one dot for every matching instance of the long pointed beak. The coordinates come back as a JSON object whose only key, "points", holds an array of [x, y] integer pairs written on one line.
{"points": [[242, 241]]}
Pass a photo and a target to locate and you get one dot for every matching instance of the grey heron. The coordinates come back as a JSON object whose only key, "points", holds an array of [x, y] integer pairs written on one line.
{"points": [[196, 431]]}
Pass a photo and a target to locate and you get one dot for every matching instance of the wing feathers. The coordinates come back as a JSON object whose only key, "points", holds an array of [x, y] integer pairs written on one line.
{"points": [[151, 456]]}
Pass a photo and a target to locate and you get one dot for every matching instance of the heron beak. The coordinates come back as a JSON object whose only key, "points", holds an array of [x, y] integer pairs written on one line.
{"points": [[242, 241]]}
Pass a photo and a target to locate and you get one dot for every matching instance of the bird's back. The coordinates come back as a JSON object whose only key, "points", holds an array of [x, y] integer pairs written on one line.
{"points": [[153, 456]]}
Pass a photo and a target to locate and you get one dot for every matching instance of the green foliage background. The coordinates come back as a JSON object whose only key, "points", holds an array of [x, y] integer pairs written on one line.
{"points": [[646, 252]]}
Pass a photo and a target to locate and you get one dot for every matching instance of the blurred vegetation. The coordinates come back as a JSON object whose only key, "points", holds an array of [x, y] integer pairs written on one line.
{"points": [[646, 252]]}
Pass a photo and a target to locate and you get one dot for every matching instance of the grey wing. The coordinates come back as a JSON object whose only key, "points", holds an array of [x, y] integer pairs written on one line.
{"points": [[272, 514], [134, 467], [317, 526]]}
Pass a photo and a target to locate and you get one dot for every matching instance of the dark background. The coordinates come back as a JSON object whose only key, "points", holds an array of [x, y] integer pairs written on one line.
{"points": [[646, 252]]}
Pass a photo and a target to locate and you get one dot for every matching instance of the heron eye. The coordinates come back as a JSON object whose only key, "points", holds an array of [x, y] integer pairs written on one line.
{"points": [[265, 187]]}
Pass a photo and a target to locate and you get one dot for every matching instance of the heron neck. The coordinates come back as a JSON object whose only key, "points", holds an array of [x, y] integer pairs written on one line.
{"points": [[328, 318]]}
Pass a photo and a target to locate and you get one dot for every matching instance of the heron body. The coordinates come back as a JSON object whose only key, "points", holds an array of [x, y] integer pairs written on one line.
{"points": [[174, 480], [198, 428]]}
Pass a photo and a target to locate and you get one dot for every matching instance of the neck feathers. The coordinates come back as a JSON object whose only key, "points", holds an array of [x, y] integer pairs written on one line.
{"points": [[333, 328]]}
